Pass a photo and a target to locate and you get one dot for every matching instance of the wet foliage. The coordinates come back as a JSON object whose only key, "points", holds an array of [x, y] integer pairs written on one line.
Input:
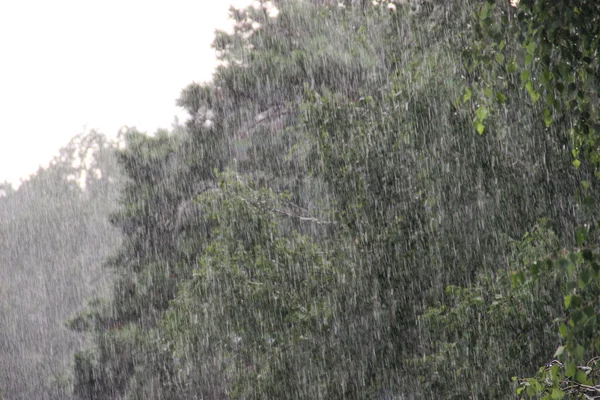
{"points": [[367, 201]]}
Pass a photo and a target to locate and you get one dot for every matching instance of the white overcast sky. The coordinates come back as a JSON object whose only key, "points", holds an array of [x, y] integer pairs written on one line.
{"points": [[66, 64]]}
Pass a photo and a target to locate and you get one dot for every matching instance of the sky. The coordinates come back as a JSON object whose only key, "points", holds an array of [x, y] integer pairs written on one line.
{"points": [[69, 66]]}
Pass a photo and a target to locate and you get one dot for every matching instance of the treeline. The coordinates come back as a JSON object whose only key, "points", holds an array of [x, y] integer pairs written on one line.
{"points": [[375, 200], [54, 235]]}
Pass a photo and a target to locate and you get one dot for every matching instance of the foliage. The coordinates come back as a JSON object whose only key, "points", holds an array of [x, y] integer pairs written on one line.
{"points": [[499, 326], [578, 327], [551, 48], [418, 194], [143, 283], [326, 225], [260, 308]]}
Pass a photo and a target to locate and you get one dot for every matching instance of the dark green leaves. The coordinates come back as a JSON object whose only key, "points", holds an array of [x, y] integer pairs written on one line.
{"points": [[551, 47]]}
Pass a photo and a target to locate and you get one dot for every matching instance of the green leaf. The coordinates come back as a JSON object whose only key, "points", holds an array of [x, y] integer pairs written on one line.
{"points": [[546, 77], [534, 269], [581, 377], [576, 163], [571, 369], [480, 127], [568, 299], [467, 95], [525, 76], [585, 185], [482, 113], [535, 96], [517, 279], [547, 118], [520, 389], [577, 317], [511, 66], [499, 58], [563, 330], [586, 276], [564, 70], [557, 393], [485, 11], [531, 48], [575, 300], [555, 373], [559, 351], [531, 391], [500, 98]]}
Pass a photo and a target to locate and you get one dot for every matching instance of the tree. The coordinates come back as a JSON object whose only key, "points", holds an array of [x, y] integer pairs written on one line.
{"points": [[53, 236], [298, 236], [256, 319], [549, 49]]}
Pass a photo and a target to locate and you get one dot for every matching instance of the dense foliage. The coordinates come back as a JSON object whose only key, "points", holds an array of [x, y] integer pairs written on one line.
{"points": [[328, 224], [550, 48]]}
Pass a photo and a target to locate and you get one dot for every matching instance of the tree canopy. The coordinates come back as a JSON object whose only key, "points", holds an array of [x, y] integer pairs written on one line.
{"points": [[370, 200]]}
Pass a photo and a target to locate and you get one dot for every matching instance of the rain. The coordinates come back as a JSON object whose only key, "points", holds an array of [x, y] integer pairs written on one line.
{"points": [[382, 199]]}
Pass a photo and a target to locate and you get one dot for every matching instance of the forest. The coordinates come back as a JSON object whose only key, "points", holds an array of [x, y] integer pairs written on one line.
{"points": [[370, 200]]}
